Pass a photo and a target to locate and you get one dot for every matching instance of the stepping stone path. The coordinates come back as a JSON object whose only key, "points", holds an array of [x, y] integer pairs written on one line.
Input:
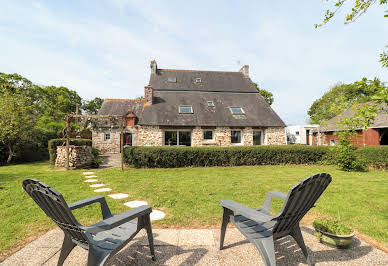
{"points": [[90, 176], [97, 185], [118, 196], [88, 173], [157, 215], [135, 203], [102, 189], [91, 180]]}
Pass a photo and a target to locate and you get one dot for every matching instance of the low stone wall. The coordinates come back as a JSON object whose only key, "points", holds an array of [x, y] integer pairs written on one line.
{"points": [[79, 157]]}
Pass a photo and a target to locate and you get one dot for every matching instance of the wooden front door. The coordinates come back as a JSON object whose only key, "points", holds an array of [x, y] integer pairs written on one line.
{"points": [[128, 139]]}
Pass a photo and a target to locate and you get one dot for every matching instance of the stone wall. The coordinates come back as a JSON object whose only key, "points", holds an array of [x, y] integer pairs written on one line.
{"points": [[79, 156], [149, 136], [107, 146], [275, 136]]}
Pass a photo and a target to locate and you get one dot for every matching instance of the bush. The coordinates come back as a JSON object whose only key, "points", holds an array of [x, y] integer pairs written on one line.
{"points": [[173, 157], [375, 156], [332, 226], [346, 157], [53, 143]]}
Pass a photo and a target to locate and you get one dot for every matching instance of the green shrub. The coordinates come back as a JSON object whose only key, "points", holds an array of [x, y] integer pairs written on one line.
{"points": [[53, 143], [96, 152], [332, 226], [375, 156], [174, 157], [346, 157]]}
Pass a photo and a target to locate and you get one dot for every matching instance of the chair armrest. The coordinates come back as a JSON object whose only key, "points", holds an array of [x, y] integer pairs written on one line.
{"points": [[246, 211], [117, 220], [97, 199], [270, 195]]}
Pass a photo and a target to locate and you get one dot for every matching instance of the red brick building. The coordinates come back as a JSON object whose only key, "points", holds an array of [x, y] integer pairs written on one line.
{"points": [[375, 135]]}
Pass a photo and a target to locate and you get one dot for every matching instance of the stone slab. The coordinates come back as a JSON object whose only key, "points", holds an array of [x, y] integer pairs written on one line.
{"points": [[90, 180], [90, 176], [97, 185], [88, 173], [105, 189], [118, 196], [157, 215], [135, 203]]}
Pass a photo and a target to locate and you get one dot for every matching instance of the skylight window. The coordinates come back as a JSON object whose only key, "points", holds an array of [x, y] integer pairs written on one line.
{"points": [[172, 79], [185, 109], [198, 80], [210, 103], [237, 111]]}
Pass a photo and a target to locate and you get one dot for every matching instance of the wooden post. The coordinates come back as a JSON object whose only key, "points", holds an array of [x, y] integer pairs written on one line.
{"points": [[67, 142], [122, 144]]}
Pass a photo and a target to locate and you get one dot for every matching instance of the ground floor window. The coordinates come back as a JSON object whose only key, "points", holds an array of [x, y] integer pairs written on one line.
{"points": [[235, 136], [107, 136], [257, 137], [177, 138], [208, 135]]}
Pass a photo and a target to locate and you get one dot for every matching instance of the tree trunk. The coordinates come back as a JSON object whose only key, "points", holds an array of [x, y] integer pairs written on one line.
{"points": [[11, 153]]}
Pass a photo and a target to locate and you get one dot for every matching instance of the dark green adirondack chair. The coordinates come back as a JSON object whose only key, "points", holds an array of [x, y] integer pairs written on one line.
{"points": [[261, 228], [103, 239]]}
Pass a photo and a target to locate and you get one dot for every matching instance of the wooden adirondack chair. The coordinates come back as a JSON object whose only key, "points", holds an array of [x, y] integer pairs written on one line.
{"points": [[261, 228], [103, 239]]}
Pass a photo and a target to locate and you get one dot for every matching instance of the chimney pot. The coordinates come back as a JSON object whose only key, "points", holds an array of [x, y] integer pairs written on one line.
{"points": [[154, 67], [245, 70]]}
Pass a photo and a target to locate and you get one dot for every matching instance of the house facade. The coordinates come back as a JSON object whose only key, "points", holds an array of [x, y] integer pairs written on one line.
{"points": [[192, 108], [376, 134]]}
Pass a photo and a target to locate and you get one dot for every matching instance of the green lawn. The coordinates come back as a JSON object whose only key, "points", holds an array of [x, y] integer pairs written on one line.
{"points": [[190, 196]]}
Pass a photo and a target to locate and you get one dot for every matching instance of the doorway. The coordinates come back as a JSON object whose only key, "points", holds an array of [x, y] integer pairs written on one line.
{"points": [[127, 139]]}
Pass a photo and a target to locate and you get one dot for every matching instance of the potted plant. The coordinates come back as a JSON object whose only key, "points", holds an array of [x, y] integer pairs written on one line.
{"points": [[333, 232]]}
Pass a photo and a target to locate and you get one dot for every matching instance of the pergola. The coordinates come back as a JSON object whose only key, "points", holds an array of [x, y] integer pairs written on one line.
{"points": [[119, 120]]}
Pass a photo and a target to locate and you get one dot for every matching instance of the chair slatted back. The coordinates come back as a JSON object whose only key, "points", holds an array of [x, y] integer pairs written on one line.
{"points": [[300, 199], [55, 207]]}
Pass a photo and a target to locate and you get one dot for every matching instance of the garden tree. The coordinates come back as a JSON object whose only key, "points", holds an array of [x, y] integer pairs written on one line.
{"points": [[93, 106], [17, 121], [342, 96], [268, 96]]}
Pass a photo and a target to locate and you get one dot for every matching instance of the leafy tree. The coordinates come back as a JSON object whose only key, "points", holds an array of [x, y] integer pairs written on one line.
{"points": [[342, 96], [268, 96], [93, 106], [17, 121]]}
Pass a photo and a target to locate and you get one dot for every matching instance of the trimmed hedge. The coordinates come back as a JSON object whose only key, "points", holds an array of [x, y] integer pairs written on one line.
{"points": [[375, 156], [53, 143], [174, 157]]}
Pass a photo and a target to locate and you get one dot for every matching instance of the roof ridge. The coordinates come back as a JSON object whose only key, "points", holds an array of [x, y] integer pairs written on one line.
{"points": [[111, 99], [194, 70]]}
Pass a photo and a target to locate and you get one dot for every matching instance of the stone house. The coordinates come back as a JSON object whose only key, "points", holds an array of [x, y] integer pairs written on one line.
{"points": [[376, 134], [192, 108]]}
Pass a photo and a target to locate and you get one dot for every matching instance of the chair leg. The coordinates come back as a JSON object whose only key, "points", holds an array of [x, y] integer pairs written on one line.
{"points": [[225, 221], [97, 256], [266, 248], [150, 236], [67, 247], [297, 235]]}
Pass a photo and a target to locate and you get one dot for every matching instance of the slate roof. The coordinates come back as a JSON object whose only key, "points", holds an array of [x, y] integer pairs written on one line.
{"points": [[121, 107], [164, 111], [380, 121], [211, 81]]}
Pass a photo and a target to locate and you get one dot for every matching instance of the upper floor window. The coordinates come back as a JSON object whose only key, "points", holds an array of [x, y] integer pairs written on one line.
{"points": [[185, 109], [107, 136], [210, 103], [198, 80], [237, 111], [172, 79]]}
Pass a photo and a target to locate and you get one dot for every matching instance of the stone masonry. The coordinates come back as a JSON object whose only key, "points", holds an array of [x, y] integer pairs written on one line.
{"points": [[275, 136], [79, 157]]}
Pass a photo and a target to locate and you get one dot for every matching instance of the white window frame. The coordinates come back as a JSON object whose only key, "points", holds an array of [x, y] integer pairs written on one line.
{"points": [[241, 138], [242, 110], [105, 137], [210, 103], [261, 137], [203, 135], [179, 109], [171, 79], [198, 80], [177, 136]]}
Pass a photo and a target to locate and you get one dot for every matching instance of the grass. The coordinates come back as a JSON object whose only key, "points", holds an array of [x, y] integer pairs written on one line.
{"points": [[190, 196]]}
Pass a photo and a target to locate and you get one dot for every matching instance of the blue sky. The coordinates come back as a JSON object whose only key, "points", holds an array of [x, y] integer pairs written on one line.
{"points": [[103, 48]]}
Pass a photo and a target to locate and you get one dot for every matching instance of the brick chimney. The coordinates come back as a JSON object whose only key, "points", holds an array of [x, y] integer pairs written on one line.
{"points": [[245, 70], [154, 67], [130, 119], [148, 94]]}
